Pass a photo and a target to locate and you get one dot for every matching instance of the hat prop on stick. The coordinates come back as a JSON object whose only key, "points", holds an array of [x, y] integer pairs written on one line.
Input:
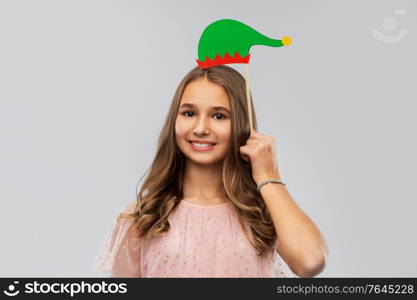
{"points": [[228, 42]]}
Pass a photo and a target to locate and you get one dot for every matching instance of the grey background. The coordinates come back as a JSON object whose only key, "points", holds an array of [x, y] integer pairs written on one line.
{"points": [[85, 87]]}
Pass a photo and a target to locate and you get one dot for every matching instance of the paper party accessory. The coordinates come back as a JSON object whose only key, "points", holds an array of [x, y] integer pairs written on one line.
{"points": [[228, 41]]}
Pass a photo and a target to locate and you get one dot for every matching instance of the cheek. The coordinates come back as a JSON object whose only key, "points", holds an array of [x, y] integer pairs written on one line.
{"points": [[224, 134], [180, 129]]}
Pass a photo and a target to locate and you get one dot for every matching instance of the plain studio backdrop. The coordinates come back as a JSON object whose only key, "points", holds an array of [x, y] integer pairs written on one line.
{"points": [[85, 87]]}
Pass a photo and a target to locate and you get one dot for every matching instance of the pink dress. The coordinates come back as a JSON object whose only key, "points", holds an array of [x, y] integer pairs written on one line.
{"points": [[203, 241]]}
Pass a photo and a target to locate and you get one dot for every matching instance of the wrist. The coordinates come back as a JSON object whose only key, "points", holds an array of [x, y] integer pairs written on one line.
{"points": [[266, 176], [259, 187]]}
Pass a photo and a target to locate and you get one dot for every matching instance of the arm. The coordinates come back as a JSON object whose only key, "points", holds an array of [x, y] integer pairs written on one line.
{"points": [[300, 242], [119, 254]]}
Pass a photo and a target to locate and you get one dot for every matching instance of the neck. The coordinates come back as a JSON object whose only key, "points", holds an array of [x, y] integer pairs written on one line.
{"points": [[203, 182]]}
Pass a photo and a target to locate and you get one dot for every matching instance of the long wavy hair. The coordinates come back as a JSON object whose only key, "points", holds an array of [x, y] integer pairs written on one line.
{"points": [[162, 189]]}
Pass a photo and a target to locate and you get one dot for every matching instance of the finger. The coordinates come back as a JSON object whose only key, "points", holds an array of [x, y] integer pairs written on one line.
{"points": [[245, 157]]}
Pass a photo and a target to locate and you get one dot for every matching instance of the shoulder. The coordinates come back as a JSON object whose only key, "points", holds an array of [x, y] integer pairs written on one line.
{"points": [[129, 207], [125, 218], [124, 215]]}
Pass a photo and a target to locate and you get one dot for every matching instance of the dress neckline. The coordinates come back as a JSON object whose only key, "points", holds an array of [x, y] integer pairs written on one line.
{"points": [[205, 206]]}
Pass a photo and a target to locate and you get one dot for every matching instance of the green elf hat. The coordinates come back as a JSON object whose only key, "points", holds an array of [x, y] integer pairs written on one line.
{"points": [[228, 41]]}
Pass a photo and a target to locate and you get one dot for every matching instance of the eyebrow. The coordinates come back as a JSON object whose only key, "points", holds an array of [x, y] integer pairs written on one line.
{"points": [[190, 105]]}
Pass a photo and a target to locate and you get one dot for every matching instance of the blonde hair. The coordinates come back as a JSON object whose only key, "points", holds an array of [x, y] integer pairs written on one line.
{"points": [[162, 189]]}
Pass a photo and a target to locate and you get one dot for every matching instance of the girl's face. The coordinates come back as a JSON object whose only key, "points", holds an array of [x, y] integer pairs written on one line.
{"points": [[204, 116]]}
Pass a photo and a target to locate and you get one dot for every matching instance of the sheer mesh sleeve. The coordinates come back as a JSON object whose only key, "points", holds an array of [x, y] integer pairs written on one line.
{"points": [[118, 254]]}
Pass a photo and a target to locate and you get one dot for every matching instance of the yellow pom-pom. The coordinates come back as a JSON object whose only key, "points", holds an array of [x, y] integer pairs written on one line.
{"points": [[286, 40]]}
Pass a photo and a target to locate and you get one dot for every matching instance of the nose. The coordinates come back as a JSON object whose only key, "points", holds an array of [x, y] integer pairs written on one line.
{"points": [[201, 126]]}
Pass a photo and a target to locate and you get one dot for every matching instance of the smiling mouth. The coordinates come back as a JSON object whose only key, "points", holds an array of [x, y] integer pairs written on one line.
{"points": [[195, 143], [198, 146]]}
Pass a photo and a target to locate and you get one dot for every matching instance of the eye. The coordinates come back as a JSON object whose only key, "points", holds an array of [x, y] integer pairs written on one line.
{"points": [[223, 116], [185, 113], [217, 114]]}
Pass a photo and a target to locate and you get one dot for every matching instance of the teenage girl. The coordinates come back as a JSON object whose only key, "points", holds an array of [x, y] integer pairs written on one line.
{"points": [[205, 208]]}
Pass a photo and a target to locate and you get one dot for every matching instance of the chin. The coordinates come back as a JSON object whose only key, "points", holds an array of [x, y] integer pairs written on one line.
{"points": [[209, 160]]}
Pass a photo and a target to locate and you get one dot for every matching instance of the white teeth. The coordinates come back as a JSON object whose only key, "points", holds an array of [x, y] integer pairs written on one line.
{"points": [[202, 145]]}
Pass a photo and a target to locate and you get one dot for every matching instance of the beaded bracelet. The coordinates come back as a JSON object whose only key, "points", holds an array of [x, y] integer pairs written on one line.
{"points": [[268, 181]]}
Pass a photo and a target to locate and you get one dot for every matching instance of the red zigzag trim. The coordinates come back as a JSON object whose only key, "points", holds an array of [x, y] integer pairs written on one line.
{"points": [[218, 60]]}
